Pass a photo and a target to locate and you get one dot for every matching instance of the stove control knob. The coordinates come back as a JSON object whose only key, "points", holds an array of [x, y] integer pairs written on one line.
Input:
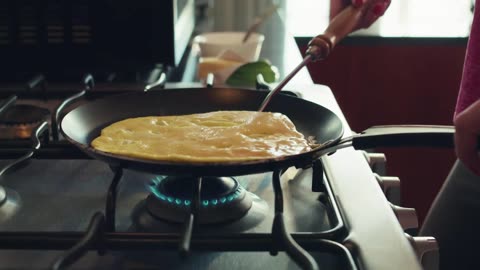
{"points": [[407, 217], [390, 186], [377, 162], [426, 249]]}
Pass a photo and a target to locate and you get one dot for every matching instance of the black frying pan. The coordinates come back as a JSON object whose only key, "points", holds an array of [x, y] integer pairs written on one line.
{"points": [[84, 123]]}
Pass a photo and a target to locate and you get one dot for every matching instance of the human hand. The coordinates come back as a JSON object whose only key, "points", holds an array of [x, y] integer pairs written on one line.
{"points": [[467, 131], [374, 9], [351, 16]]}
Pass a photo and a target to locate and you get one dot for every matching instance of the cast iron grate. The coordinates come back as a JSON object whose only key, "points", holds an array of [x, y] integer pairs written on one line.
{"points": [[101, 234]]}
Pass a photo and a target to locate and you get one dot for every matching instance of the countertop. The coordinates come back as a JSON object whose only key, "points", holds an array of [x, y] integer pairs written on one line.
{"points": [[279, 47]]}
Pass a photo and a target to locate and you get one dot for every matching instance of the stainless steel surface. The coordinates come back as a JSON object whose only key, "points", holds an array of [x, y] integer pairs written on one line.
{"points": [[391, 188], [427, 251], [407, 217], [377, 162], [62, 195], [368, 214]]}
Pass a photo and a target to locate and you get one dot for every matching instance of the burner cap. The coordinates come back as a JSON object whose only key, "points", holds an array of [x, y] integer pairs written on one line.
{"points": [[22, 114], [222, 199]]}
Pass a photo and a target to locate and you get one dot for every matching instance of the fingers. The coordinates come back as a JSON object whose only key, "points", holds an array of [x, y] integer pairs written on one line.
{"points": [[465, 149], [467, 131], [379, 5], [358, 3], [319, 48], [380, 8], [373, 9]]}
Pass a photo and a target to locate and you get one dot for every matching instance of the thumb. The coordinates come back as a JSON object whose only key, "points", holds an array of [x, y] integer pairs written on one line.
{"points": [[358, 3]]}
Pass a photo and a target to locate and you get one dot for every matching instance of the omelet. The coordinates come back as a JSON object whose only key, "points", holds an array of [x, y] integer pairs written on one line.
{"points": [[220, 136]]}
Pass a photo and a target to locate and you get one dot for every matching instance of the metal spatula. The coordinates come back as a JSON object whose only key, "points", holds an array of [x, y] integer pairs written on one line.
{"points": [[320, 46]]}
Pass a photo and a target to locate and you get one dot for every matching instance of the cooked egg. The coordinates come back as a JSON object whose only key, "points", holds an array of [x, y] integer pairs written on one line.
{"points": [[219, 136]]}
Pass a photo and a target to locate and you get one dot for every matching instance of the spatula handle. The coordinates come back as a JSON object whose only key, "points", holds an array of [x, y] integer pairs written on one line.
{"points": [[343, 24]]}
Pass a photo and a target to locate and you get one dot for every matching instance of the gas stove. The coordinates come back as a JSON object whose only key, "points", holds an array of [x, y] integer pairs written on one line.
{"points": [[130, 229], [61, 209]]}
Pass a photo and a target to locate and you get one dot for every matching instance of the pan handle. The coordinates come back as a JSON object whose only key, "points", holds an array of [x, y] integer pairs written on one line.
{"points": [[404, 135]]}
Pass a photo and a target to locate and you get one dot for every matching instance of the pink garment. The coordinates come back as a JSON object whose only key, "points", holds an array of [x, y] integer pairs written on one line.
{"points": [[470, 84]]}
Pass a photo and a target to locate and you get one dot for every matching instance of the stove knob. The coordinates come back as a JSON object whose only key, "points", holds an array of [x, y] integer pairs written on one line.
{"points": [[426, 249], [407, 217], [377, 162], [391, 188]]}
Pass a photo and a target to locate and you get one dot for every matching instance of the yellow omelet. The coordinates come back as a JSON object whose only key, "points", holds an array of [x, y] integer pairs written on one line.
{"points": [[220, 136]]}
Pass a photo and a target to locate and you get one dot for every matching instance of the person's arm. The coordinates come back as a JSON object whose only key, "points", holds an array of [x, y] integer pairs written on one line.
{"points": [[467, 132], [352, 15], [467, 112]]}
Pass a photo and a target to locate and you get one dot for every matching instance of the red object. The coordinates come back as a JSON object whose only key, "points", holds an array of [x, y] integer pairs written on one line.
{"points": [[470, 85], [379, 9], [358, 2]]}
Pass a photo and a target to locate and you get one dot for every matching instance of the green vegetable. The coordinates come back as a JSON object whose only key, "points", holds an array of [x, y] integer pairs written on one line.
{"points": [[246, 75]]}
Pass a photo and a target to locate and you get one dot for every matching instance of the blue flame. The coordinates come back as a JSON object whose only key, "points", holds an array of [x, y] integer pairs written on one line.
{"points": [[179, 202]]}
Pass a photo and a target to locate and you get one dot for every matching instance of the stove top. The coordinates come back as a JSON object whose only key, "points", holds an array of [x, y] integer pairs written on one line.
{"points": [[51, 202], [61, 209], [84, 184], [64, 209]]}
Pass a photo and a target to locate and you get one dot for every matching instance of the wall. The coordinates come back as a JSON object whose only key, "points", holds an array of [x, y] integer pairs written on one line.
{"points": [[399, 82]]}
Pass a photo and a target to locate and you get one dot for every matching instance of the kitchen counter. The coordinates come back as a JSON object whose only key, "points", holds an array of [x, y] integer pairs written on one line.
{"points": [[279, 47]]}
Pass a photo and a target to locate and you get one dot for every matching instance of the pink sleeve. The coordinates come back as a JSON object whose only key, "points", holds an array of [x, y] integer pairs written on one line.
{"points": [[470, 84]]}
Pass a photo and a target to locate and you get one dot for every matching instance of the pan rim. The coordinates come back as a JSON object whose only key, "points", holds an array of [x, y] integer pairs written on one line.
{"points": [[302, 159]]}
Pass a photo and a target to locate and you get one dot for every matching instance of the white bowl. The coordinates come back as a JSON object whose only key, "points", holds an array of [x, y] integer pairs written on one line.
{"points": [[213, 44]]}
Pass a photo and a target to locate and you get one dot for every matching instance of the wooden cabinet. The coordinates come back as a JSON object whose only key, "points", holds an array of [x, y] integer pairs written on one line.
{"points": [[399, 81]]}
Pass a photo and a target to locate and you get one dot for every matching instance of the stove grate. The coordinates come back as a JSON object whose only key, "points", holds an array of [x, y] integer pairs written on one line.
{"points": [[101, 233]]}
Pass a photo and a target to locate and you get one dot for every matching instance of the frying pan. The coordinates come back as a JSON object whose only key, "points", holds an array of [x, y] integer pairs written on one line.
{"points": [[84, 123]]}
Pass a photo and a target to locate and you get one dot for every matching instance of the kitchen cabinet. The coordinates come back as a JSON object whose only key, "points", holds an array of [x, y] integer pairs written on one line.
{"points": [[381, 81]]}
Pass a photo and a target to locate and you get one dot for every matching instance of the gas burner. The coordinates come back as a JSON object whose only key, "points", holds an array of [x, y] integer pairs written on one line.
{"points": [[19, 121], [222, 199], [24, 114]]}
